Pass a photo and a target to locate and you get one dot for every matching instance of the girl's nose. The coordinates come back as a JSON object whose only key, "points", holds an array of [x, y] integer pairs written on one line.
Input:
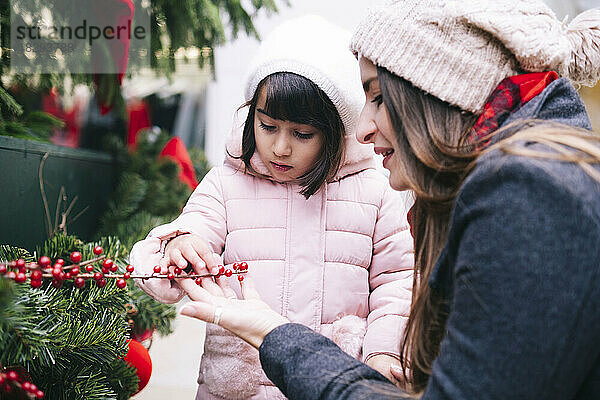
{"points": [[366, 129], [281, 145]]}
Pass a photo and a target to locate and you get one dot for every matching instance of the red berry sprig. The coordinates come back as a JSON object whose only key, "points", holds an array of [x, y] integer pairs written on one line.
{"points": [[17, 270], [10, 380]]}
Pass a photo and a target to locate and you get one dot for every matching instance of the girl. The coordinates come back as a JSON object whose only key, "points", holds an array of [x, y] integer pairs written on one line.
{"points": [[466, 101], [299, 200]]}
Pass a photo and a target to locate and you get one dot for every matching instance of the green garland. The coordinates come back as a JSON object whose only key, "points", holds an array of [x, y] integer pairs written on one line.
{"points": [[72, 341]]}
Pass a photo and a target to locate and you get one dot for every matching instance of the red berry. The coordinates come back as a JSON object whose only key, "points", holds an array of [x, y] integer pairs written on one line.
{"points": [[36, 275], [98, 276], [11, 275], [240, 278], [44, 261], [79, 283], [68, 275], [114, 268], [89, 268], [7, 388], [244, 265], [39, 394], [198, 281], [33, 387], [177, 271], [221, 270], [130, 268], [59, 261], [1, 379], [228, 273], [105, 270], [20, 278], [236, 266], [57, 283], [76, 257], [56, 272], [56, 265], [12, 376], [101, 283], [36, 283], [170, 276], [3, 269], [20, 263], [121, 283], [26, 386], [157, 269], [127, 275], [75, 271], [107, 263], [98, 250]]}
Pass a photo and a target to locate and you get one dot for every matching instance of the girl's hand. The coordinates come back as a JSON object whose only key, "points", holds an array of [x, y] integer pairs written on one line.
{"points": [[215, 302], [193, 249]]}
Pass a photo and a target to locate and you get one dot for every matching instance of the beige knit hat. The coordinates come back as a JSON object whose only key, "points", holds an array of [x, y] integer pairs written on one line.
{"points": [[460, 50], [316, 49]]}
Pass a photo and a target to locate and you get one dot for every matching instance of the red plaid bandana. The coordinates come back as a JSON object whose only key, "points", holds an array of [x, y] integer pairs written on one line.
{"points": [[508, 97]]}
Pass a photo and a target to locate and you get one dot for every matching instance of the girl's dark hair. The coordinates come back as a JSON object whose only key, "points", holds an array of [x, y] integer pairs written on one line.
{"points": [[291, 97]]}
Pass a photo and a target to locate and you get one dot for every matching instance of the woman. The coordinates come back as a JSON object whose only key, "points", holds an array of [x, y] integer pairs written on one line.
{"points": [[465, 102]]}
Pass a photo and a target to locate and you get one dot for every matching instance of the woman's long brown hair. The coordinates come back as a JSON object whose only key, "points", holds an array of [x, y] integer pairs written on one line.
{"points": [[435, 158]]}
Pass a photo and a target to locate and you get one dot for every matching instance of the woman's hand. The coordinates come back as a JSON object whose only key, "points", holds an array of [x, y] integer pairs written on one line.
{"points": [[193, 249], [215, 302], [389, 367]]}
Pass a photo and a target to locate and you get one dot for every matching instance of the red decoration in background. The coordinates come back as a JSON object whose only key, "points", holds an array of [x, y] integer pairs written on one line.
{"points": [[175, 149], [112, 13], [139, 358], [139, 119], [51, 103]]}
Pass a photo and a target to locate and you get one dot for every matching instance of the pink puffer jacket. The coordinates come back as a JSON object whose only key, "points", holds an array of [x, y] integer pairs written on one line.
{"points": [[340, 262]]}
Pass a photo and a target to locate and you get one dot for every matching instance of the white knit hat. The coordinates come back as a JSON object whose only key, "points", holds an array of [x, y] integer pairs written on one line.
{"points": [[459, 50], [316, 49]]}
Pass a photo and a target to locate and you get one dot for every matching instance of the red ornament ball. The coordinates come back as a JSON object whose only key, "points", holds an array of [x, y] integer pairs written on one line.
{"points": [[121, 283], [157, 269], [228, 273], [129, 268], [44, 261], [138, 357], [98, 250], [79, 283], [76, 257]]}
